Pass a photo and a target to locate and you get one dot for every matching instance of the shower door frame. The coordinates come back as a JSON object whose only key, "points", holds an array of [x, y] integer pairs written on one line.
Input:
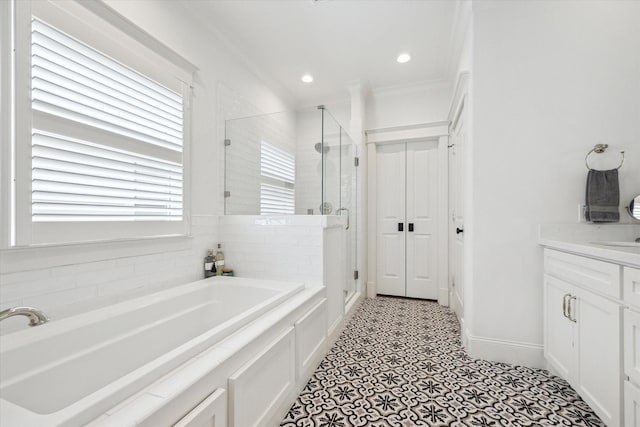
{"points": [[350, 281]]}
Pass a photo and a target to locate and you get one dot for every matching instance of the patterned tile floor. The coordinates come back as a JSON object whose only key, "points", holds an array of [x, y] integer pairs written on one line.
{"points": [[400, 362]]}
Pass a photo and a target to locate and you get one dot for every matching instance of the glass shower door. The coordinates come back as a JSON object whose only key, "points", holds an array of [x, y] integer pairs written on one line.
{"points": [[339, 190]]}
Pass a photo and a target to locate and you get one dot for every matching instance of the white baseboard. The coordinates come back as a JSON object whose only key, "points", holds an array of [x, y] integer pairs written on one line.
{"points": [[549, 367], [465, 336], [443, 296], [371, 290], [334, 331], [507, 351], [350, 308]]}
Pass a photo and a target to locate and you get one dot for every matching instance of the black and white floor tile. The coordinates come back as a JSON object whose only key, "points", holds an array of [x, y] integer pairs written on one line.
{"points": [[400, 362]]}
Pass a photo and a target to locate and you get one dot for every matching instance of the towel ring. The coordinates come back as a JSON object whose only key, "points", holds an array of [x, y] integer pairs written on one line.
{"points": [[598, 149]]}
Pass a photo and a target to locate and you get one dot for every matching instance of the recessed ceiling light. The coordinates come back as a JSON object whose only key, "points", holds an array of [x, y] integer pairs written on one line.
{"points": [[404, 57], [307, 78]]}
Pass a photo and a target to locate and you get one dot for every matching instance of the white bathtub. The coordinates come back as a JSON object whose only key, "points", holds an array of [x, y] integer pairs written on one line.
{"points": [[67, 372]]}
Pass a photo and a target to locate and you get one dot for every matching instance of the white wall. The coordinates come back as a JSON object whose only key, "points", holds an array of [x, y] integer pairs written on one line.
{"points": [[414, 104], [550, 80], [69, 279], [341, 111]]}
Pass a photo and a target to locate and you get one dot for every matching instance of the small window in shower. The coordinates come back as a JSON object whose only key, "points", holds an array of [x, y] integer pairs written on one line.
{"points": [[278, 172]]}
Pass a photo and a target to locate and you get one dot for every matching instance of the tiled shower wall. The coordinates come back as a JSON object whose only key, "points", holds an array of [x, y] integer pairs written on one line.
{"points": [[242, 157]]}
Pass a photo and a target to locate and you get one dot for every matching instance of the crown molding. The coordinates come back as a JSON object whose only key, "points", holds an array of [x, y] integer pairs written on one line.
{"points": [[234, 50], [410, 87], [461, 24], [345, 99], [359, 86], [406, 133], [459, 94]]}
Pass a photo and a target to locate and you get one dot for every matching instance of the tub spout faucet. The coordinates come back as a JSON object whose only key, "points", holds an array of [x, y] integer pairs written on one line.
{"points": [[36, 317]]}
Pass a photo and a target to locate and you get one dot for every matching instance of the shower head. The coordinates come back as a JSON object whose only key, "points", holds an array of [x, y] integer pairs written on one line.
{"points": [[320, 149]]}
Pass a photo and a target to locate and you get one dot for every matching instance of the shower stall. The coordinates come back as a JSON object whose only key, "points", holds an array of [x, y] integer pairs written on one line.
{"points": [[298, 162]]}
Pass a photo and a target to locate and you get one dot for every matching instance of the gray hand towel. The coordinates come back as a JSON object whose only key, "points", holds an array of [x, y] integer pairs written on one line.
{"points": [[603, 196]]}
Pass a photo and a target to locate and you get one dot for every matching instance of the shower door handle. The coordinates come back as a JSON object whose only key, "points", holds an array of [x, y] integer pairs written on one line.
{"points": [[401, 226], [347, 210]]}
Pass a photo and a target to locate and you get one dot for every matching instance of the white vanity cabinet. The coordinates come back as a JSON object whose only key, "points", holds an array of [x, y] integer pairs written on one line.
{"points": [[582, 328], [632, 367], [631, 287], [558, 327]]}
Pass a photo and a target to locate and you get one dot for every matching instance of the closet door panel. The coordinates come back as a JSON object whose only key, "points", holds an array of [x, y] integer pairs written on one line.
{"points": [[391, 162], [420, 274], [421, 202]]}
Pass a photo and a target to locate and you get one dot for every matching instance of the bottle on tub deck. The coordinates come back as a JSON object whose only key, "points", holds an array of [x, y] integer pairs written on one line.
{"points": [[219, 260], [209, 264]]}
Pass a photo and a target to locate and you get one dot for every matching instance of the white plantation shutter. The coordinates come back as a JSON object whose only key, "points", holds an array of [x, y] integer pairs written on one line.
{"points": [[75, 180], [276, 163], [72, 81], [276, 200], [81, 181], [278, 171]]}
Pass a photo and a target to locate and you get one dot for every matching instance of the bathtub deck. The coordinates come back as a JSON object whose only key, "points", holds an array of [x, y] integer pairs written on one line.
{"points": [[401, 363]]}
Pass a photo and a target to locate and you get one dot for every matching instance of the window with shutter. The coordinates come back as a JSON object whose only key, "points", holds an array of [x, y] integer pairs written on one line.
{"points": [[75, 180], [278, 172], [107, 133]]}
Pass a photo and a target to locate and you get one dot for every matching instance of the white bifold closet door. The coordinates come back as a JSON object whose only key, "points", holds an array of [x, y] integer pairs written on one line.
{"points": [[407, 190], [391, 209]]}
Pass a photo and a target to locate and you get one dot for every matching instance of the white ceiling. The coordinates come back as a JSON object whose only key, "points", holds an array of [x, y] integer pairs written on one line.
{"points": [[339, 42]]}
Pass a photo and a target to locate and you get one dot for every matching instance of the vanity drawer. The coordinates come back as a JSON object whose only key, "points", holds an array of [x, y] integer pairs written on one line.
{"points": [[599, 276], [631, 286]]}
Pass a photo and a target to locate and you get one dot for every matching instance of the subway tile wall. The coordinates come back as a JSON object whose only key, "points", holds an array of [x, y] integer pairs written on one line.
{"points": [[274, 247], [66, 290], [269, 247], [242, 157]]}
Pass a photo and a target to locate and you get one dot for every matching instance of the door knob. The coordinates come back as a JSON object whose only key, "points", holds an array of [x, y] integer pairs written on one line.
{"points": [[401, 226], [459, 230]]}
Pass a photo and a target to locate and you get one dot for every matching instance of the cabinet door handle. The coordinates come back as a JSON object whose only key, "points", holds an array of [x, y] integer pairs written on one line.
{"points": [[572, 313], [401, 226], [564, 305], [410, 227]]}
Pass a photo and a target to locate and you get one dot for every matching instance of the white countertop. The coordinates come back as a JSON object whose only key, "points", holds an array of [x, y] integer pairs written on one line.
{"points": [[582, 239], [617, 254]]}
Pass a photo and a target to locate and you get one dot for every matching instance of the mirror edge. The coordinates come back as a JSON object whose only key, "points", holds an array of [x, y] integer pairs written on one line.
{"points": [[630, 208]]}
